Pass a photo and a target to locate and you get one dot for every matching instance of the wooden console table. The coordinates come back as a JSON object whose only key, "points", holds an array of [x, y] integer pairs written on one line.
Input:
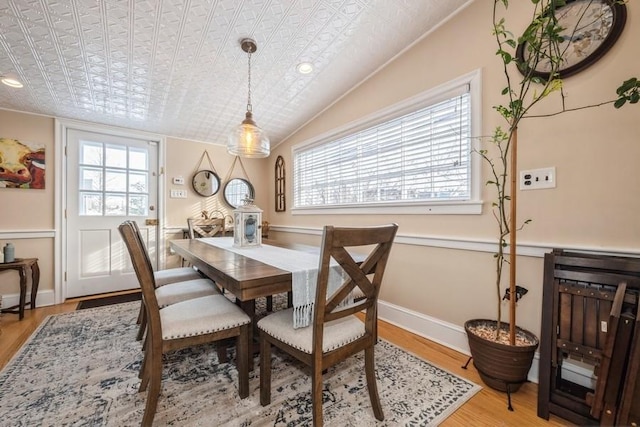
{"points": [[22, 265]]}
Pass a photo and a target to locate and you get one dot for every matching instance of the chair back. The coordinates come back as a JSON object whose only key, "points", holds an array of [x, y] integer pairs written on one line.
{"points": [[364, 277], [144, 272], [205, 227]]}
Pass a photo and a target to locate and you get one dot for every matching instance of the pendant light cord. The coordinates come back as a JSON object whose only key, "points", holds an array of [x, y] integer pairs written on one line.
{"points": [[249, 107]]}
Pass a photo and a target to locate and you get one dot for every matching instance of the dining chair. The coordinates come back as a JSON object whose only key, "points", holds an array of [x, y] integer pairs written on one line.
{"points": [[174, 285], [211, 227], [184, 324], [335, 332]]}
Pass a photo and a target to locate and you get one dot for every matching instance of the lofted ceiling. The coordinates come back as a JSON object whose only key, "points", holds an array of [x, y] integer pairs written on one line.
{"points": [[175, 67]]}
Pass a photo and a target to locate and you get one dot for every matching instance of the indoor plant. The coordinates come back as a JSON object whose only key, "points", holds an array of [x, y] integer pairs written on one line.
{"points": [[542, 46]]}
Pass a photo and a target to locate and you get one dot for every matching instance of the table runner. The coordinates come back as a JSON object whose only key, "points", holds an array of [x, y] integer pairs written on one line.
{"points": [[304, 271]]}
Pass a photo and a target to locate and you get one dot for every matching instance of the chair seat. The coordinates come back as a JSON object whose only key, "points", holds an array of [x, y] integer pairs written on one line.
{"points": [[200, 316], [172, 275], [336, 333], [173, 293]]}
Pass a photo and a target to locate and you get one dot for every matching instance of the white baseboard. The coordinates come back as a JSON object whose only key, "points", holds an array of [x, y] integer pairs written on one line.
{"points": [[439, 331], [44, 298]]}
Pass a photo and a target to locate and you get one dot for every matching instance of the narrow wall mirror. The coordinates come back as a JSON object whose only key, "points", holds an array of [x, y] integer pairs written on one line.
{"points": [[237, 189], [206, 183]]}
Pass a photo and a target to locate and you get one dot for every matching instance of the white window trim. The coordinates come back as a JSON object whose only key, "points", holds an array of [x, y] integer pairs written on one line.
{"points": [[473, 206]]}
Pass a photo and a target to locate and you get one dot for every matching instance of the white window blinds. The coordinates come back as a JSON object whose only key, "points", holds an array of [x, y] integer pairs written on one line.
{"points": [[419, 156]]}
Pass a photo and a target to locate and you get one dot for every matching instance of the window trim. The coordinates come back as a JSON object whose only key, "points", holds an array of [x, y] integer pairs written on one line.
{"points": [[473, 206]]}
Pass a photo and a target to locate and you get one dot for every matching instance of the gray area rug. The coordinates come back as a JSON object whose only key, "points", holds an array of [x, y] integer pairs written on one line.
{"points": [[81, 369]]}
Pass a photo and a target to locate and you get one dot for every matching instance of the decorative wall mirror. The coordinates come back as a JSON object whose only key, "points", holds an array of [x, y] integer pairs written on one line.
{"points": [[281, 204], [205, 182], [237, 189]]}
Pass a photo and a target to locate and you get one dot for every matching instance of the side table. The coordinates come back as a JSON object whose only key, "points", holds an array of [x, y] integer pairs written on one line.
{"points": [[22, 265]]}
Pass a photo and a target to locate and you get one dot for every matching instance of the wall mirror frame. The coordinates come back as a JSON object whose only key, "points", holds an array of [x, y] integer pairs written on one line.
{"points": [[237, 189], [205, 182]]}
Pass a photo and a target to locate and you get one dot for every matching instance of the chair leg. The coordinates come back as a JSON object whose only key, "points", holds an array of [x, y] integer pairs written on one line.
{"points": [[316, 394], [265, 371], [140, 313], [243, 353], [269, 304], [155, 378], [370, 370], [144, 374]]}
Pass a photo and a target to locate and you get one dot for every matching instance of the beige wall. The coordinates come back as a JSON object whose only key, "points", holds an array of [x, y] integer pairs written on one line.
{"points": [[183, 159], [26, 209], [595, 152]]}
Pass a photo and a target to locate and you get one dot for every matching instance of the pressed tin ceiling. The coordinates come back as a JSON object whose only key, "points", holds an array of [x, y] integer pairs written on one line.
{"points": [[175, 67]]}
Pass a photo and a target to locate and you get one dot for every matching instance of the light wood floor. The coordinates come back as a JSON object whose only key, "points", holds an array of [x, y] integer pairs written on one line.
{"points": [[486, 408]]}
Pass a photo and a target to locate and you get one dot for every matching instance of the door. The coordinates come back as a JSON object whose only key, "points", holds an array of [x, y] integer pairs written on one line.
{"points": [[109, 179]]}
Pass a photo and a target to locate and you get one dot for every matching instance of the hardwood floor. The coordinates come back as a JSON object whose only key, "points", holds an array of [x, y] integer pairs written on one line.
{"points": [[487, 408]]}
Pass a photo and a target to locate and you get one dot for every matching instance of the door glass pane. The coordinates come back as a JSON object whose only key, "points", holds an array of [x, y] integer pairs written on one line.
{"points": [[138, 159], [115, 204], [138, 205], [115, 181], [90, 204], [116, 156], [90, 179], [138, 182], [90, 153]]}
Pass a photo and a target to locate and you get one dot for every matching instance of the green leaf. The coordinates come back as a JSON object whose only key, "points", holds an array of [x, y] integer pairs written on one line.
{"points": [[620, 102], [505, 91]]}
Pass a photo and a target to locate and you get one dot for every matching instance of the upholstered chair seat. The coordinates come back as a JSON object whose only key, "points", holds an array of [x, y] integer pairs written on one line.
{"points": [[337, 333], [173, 275], [200, 316], [174, 293]]}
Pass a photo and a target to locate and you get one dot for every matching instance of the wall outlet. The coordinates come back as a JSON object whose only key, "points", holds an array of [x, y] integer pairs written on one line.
{"points": [[178, 180], [536, 179], [178, 194]]}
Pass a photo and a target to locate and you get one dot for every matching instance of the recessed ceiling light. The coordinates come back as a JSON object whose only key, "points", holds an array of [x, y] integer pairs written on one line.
{"points": [[11, 82], [305, 68]]}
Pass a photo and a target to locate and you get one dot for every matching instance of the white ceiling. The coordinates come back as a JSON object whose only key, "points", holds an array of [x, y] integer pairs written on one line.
{"points": [[175, 67]]}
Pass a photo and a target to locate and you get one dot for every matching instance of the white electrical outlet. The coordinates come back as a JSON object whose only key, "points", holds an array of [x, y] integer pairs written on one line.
{"points": [[536, 179], [178, 180], [178, 194]]}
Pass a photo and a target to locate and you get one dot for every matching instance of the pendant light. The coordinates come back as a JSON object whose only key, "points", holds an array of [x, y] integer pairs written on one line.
{"points": [[247, 139]]}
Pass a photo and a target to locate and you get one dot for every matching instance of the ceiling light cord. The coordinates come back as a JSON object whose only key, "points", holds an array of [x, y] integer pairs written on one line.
{"points": [[249, 106]]}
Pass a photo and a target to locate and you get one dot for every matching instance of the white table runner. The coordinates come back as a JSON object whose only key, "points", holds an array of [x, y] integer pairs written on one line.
{"points": [[303, 267]]}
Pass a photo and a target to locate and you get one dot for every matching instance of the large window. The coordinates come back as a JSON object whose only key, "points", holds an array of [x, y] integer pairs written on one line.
{"points": [[415, 154]]}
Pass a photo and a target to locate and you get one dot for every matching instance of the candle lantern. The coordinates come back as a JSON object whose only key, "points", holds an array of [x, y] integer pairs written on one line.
{"points": [[247, 225]]}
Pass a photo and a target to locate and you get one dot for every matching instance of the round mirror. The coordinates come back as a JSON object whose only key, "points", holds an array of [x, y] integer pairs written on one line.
{"points": [[237, 189], [206, 183]]}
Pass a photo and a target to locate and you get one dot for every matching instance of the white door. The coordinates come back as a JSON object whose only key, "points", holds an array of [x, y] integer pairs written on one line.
{"points": [[110, 179]]}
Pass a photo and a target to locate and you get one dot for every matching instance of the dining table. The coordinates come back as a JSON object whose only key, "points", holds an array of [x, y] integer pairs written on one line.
{"points": [[243, 276]]}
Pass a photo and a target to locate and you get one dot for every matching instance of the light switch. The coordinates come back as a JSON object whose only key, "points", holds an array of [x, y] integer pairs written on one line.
{"points": [[178, 180], [178, 194]]}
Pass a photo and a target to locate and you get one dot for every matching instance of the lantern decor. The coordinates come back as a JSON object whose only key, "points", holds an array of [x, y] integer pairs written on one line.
{"points": [[248, 222]]}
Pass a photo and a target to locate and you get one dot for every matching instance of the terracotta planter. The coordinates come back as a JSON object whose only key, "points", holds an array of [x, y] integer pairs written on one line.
{"points": [[499, 364]]}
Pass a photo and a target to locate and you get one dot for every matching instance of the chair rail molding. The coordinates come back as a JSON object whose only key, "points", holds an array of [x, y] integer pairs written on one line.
{"points": [[27, 234], [528, 249]]}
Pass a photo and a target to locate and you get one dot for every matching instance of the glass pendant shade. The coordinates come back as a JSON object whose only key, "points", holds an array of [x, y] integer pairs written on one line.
{"points": [[248, 140]]}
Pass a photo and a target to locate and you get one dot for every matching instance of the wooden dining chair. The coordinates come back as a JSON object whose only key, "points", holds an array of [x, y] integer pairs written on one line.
{"points": [[173, 285], [211, 227], [335, 333], [184, 324]]}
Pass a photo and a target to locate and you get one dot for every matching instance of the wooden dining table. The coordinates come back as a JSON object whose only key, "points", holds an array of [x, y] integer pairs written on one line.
{"points": [[246, 278]]}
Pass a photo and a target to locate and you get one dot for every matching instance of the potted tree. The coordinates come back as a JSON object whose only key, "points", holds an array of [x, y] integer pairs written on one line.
{"points": [[502, 352]]}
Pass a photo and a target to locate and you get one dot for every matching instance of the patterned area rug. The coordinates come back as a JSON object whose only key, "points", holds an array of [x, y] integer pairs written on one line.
{"points": [[81, 368]]}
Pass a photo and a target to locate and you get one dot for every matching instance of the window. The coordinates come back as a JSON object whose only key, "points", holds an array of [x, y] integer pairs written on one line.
{"points": [[114, 180], [415, 157]]}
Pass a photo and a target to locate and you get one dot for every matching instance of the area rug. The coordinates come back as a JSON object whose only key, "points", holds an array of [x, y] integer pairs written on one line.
{"points": [[81, 368]]}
